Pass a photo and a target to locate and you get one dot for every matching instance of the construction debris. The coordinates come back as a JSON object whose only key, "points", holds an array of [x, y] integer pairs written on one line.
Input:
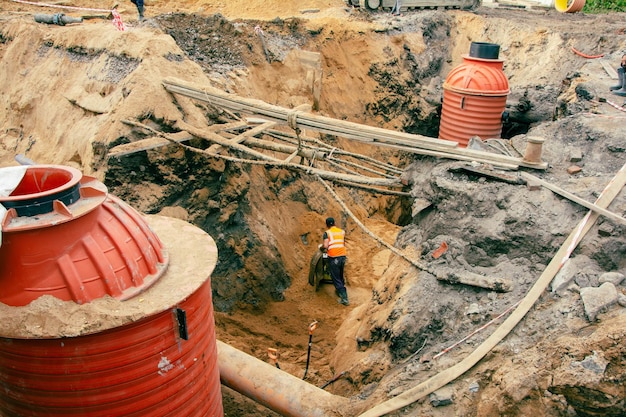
{"points": [[57, 19], [475, 280]]}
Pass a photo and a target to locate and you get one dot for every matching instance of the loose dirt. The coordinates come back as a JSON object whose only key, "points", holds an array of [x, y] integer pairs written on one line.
{"points": [[66, 92]]}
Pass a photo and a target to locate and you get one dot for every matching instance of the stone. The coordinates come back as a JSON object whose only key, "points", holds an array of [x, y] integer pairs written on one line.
{"points": [[595, 363], [443, 396], [616, 278], [571, 270], [576, 155], [533, 186], [606, 229], [597, 300]]}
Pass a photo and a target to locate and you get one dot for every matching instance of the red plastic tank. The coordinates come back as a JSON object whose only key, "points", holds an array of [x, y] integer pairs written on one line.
{"points": [[65, 236], [142, 369], [131, 338], [474, 97]]}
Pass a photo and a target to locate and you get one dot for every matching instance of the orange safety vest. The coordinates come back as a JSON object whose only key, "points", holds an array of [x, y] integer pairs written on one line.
{"points": [[336, 246]]}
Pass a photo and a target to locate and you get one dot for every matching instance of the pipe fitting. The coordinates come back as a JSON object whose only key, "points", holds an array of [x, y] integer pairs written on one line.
{"points": [[534, 147]]}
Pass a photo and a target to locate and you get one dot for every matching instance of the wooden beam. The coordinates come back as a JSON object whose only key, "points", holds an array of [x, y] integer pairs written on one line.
{"points": [[609, 69], [157, 141], [243, 136], [574, 198], [146, 144], [307, 120], [346, 129]]}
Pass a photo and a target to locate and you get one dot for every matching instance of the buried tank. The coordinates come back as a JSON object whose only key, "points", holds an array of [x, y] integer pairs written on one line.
{"points": [[474, 97], [106, 312]]}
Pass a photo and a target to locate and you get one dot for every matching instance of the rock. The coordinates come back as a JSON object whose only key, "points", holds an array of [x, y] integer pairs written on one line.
{"points": [[596, 364], [572, 272], [533, 186], [441, 397], [474, 387], [419, 205], [582, 280], [576, 155], [473, 309], [605, 229], [616, 278], [597, 300], [621, 300]]}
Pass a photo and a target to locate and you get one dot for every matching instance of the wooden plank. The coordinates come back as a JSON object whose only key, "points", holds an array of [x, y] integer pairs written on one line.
{"points": [[500, 176], [349, 130], [447, 155], [574, 198], [146, 144], [155, 141], [609, 69], [307, 120]]}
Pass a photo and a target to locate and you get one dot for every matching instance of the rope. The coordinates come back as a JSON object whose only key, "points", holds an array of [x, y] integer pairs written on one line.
{"points": [[292, 119], [393, 249], [117, 19]]}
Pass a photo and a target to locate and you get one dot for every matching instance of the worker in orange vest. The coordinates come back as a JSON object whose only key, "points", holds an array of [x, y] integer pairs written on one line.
{"points": [[334, 245]]}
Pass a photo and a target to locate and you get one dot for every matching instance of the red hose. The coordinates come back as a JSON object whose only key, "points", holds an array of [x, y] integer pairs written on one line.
{"points": [[577, 52]]}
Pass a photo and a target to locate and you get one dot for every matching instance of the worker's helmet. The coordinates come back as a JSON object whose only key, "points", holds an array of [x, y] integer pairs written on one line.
{"points": [[330, 222]]}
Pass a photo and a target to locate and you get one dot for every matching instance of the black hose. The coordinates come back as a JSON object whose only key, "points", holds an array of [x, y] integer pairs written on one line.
{"points": [[312, 327], [308, 356], [333, 380]]}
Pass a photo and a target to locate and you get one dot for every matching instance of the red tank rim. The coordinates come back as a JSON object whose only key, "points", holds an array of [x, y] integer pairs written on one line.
{"points": [[73, 178]]}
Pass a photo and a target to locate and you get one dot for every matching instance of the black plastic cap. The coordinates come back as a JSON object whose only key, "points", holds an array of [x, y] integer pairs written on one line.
{"points": [[484, 50]]}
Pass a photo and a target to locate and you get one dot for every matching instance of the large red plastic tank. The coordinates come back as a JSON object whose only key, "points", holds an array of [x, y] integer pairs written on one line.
{"points": [[474, 97], [151, 354], [141, 369]]}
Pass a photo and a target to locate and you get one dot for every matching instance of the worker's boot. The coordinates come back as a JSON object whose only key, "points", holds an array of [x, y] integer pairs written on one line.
{"points": [[343, 297], [140, 10], [620, 80]]}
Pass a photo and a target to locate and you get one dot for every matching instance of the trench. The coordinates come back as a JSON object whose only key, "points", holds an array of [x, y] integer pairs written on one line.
{"points": [[257, 279], [398, 92]]}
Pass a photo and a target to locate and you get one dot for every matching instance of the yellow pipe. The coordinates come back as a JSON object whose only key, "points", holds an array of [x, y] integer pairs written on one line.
{"points": [[573, 7]]}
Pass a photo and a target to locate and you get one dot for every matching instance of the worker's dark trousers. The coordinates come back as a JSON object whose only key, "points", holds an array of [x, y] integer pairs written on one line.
{"points": [[335, 268]]}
